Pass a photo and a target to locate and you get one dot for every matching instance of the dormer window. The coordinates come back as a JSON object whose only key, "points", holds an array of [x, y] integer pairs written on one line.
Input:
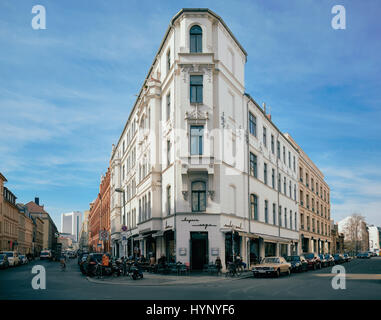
{"points": [[195, 39]]}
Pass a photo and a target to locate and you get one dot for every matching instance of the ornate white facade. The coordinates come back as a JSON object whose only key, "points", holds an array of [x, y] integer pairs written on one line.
{"points": [[183, 158]]}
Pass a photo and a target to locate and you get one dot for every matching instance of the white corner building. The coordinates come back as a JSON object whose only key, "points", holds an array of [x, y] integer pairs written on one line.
{"points": [[200, 170]]}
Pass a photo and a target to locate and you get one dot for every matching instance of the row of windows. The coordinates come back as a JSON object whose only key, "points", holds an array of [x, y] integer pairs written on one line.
{"points": [[288, 160], [323, 209], [286, 219], [130, 163], [145, 207], [314, 186], [317, 226], [129, 220], [288, 190]]}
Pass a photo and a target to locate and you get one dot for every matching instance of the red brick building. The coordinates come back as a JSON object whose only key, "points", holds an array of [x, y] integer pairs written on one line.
{"points": [[99, 217]]}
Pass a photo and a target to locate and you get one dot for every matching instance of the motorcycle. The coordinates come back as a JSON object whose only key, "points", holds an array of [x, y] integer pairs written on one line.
{"points": [[134, 271]]}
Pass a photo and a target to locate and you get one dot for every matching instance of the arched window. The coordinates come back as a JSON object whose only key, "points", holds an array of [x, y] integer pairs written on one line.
{"points": [[254, 206], [198, 196], [195, 39]]}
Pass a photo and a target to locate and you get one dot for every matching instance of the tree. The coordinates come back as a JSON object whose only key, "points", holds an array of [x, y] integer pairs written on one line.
{"points": [[355, 230]]}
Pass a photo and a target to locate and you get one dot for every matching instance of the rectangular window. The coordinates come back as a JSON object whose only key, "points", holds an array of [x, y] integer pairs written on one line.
{"points": [[168, 200], [278, 149], [168, 106], [280, 216], [264, 137], [265, 173], [266, 212], [253, 165], [285, 217], [252, 124], [273, 178], [274, 214], [168, 152], [290, 219], [284, 186], [196, 143], [294, 164], [284, 154], [168, 60], [272, 144], [289, 159], [279, 183], [196, 86]]}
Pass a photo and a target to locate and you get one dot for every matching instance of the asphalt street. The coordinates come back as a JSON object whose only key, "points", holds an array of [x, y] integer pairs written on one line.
{"points": [[363, 281]]}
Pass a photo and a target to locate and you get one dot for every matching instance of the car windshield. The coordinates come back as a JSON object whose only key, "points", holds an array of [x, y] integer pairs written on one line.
{"points": [[271, 260], [21, 256], [293, 258], [44, 253], [309, 256], [9, 254]]}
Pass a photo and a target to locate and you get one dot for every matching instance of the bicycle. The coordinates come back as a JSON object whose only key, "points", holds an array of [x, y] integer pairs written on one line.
{"points": [[233, 270], [63, 265]]}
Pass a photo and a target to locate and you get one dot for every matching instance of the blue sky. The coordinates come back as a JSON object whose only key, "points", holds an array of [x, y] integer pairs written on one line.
{"points": [[66, 92]]}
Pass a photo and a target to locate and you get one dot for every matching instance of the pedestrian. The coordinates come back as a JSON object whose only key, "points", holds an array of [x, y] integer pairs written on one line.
{"points": [[218, 265]]}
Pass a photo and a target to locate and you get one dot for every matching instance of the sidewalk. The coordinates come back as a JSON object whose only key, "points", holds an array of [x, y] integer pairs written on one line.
{"points": [[151, 279]]}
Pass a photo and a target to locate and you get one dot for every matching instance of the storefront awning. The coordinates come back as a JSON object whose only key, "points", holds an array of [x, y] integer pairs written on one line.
{"points": [[275, 239], [248, 235], [158, 234]]}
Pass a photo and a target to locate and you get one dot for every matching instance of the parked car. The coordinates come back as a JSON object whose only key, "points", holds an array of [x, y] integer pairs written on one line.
{"points": [[4, 263], [23, 259], [272, 266], [13, 258], [45, 255], [363, 255], [90, 263], [298, 263], [330, 259], [347, 258], [324, 261], [339, 258], [313, 260]]}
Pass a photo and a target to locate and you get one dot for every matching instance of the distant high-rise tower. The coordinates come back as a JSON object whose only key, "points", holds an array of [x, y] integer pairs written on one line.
{"points": [[71, 223]]}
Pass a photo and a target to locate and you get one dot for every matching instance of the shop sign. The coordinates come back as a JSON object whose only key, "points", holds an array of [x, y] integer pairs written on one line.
{"points": [[182, 251], [215, 251]]}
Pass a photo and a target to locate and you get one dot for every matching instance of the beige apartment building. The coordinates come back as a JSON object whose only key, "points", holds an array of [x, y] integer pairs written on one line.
{"points": [[9, 218], [314, 206]]}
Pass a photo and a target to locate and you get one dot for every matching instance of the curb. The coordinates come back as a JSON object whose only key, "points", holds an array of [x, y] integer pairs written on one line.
{"points": [[168, 283]]}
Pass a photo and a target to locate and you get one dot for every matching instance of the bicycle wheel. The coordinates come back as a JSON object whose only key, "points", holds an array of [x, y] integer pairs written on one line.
{"points": [[238, 271]]}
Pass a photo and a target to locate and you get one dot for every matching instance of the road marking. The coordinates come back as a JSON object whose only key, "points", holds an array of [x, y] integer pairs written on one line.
{"points": [[353, 276]]}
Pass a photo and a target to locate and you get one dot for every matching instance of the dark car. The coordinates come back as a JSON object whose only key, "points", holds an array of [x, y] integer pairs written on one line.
{"points": [[330, 259], [339, 258], [363, 255], [3, 261], [91, 261], [324, 261], [313, 261], [298, 263]]}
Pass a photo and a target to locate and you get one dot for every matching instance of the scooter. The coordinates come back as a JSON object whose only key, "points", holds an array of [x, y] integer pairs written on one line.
{"points": [[134, 271]]}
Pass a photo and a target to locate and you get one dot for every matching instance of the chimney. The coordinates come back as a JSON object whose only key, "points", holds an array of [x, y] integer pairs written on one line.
{"points": [[264, 107], [37, 200]]}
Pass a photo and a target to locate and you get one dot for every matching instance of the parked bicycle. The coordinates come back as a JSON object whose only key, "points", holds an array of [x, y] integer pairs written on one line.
{"points": [[233, 270]]}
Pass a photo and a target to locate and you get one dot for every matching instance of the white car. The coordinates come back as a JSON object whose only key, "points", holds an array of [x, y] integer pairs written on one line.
{"points": [[13, 258], [46, 254]]}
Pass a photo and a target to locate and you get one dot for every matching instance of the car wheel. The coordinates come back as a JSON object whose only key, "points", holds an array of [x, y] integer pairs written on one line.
{"points": [[289, 272]]}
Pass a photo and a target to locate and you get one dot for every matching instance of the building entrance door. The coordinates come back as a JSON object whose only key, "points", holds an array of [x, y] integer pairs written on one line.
{"points": [[199, 250]]}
